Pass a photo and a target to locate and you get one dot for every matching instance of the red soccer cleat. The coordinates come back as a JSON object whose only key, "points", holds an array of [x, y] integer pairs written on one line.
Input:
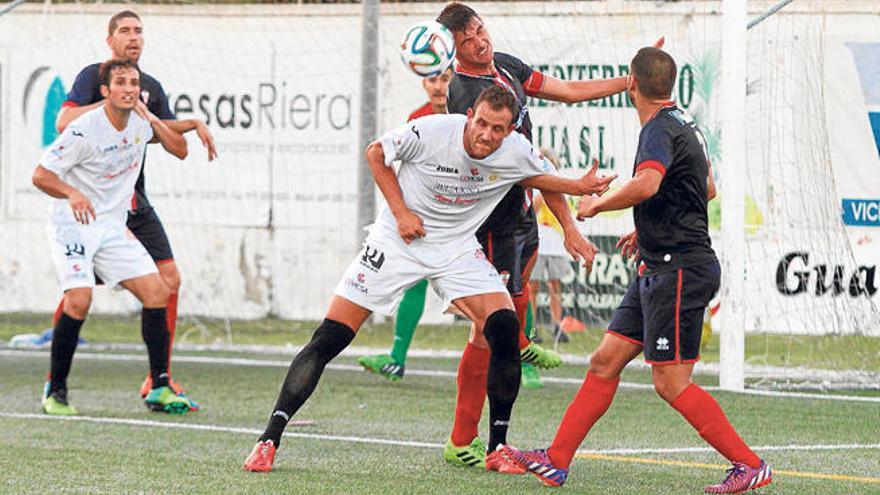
{"points": [[261, 458], [742, 478], [498, 462]]}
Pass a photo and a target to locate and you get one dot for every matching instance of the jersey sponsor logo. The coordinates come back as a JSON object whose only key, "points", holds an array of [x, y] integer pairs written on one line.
{"points": [[57, 150], [795, 275], [446, 170], [456, 200], [416, 132], [120, 171], [457, 189], [373, 258], [861, 212], [662, 344], [145, 96], [75, 250]]}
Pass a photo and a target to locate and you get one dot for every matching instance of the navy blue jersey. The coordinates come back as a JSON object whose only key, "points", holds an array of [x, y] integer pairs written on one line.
{"points": [[673, 225], [519, 78], [87, 90]]}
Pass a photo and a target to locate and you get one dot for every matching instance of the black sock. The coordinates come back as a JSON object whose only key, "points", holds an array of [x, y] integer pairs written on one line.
{"points": [[305, 370], [65, 336], [502, 333], [154, 329]]}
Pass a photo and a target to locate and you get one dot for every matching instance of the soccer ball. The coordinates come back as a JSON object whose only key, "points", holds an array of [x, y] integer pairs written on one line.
{"points": [[428, 48]]}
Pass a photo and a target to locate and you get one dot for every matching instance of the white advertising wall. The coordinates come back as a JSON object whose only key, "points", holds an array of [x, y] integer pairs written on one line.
{"points": [[269, 227]]}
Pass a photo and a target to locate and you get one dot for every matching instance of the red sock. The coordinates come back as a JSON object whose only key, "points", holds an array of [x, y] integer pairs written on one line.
{"points": [[171, 321], [590, 403], [521, 304], [57, 314], [706, 416], [472, 372]]}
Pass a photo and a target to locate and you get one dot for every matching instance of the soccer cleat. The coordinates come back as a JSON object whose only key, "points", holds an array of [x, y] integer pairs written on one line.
{"points": [[55, 404], [473, 455], [384, 365], [540, 357], [741, 478], [570, 324], [163, 399], [530, 377], [261, 458], [538, 463], [148, 385], [560, 336], [498, 462]]}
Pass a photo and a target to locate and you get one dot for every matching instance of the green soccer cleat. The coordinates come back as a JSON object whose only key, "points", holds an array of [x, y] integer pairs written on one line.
{"points": [[540, 357], [163, 399], [473, 455], [384, 365], [56, 404], [530, 377]]}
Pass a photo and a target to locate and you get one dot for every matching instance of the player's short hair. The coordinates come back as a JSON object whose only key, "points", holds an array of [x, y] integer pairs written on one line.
{"points": [[114, 21], [498, 98], [105, 71], [456, 16], [655, 72]]}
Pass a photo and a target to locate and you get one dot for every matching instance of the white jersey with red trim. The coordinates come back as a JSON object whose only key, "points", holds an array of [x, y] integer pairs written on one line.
{"points": [[100, 161], [452, 192]]}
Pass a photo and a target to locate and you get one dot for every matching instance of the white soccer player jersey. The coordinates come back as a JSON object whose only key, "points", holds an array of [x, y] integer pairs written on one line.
{"points": [[452, 192], [100, 161]]}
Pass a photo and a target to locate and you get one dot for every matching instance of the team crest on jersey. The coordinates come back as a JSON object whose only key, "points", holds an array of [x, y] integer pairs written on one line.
{"points": [[145, 96]]}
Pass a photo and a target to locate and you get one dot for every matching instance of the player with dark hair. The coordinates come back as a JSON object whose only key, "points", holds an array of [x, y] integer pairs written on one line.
{"points": [[126, 40], [661, 313], [426, 230], [510, 235], [91, 169]]}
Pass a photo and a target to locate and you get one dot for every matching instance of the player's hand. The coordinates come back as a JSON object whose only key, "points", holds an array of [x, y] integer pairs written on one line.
{"points": [[81, 207], [410, 226], [207, 139], [628, 245], [591, 183], [588, 207], [579, 248], [141, 109]]}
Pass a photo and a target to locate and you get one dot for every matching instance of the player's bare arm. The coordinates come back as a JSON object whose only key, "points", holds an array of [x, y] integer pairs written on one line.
{"points": [[577, 246], [578, 91], [589, 183], [48, 182], [172, 141], [184, 126], [409, 225], [710, 185], [645, 184], [69, 114]]}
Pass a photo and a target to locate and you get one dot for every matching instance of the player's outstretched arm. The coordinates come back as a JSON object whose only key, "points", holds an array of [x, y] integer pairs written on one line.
{"points": [[589, 183], [172, 141], [48, 182], [409, 225], [69, 113], [645, 184], [184, 126]]}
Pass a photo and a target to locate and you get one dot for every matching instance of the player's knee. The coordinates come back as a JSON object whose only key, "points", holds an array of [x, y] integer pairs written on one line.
{"points": [[77, 303], [668, 389], [156, 297], [329, 339], [603, 364], [502, 333], [171, 277]]}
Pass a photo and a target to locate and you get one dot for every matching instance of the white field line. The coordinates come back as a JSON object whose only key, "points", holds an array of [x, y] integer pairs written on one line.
{"points": [[813, 377], [230, 361], [406, 443]]}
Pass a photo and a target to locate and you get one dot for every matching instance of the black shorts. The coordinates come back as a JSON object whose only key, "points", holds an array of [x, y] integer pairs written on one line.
{"points": [[663, 313], [510, 253], [146, 226]]}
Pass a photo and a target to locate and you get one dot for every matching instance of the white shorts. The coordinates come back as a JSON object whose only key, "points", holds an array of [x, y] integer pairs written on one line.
{"points": [[108, 250], [382, 271], [549, 268]]}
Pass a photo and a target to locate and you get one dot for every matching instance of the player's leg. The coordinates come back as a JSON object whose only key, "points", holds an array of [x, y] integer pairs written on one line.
{"points": [[65, 336], [341, 322], [621, 344], [146, 226], [464, 447], [408, 315], [672, 337]]}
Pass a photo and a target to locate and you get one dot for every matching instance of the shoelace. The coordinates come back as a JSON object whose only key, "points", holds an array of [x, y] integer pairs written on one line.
{"points": [[734, 472]]}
